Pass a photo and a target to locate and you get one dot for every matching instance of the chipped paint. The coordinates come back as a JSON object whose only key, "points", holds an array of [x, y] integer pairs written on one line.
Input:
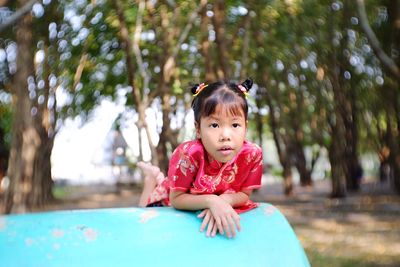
{"points": [[81, 227], [148, 215], [29, 242], [269, 210], [57, 233], [90, 234]]}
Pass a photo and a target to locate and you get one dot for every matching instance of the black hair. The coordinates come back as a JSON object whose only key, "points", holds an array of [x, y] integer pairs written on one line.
{"points": [[232, 95]]}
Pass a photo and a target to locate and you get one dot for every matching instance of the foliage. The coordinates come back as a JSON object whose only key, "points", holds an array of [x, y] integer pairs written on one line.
{"points": [[5, 122], [286, 46]]}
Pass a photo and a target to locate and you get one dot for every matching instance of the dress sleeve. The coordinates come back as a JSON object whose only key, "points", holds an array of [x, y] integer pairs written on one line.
{"points": [[253, 180], [182, 170]]}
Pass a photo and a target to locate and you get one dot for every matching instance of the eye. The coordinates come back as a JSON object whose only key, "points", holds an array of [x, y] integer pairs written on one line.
{"points": [[214, 125], [236, 125]]}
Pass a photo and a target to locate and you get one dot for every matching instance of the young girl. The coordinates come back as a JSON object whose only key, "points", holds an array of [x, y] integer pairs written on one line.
{"points": [[217, 172]]}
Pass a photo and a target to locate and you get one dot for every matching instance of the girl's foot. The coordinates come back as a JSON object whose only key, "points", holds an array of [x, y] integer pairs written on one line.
{"points": [[148, 169], [151, 173]]}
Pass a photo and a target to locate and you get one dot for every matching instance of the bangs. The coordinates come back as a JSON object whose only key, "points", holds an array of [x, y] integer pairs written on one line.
{"points": [[230, 104]]}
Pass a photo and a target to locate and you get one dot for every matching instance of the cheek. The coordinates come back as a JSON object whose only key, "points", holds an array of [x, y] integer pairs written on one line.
{"points": [[207, 137]]}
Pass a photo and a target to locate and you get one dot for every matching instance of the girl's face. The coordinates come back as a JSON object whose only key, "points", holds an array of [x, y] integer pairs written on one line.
{"points": [[222, 134]]}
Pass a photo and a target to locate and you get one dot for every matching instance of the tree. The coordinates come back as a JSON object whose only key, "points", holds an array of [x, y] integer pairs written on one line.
{"points": [[33, 121], [24, 135], [387, 55]]}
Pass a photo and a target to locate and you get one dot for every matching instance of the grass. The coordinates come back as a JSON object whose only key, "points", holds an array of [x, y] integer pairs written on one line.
{"points": [[60, 192], [318, 259]]}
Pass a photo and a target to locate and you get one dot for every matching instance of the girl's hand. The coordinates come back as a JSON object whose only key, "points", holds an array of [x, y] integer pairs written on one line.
{"points": [[225, 217], [208, 222]]}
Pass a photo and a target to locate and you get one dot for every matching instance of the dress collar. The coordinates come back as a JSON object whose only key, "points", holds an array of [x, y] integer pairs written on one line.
{"points": [[215, 164]]}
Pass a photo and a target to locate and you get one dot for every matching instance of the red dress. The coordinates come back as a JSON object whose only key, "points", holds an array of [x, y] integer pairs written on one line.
{"points": [[193, 170]]}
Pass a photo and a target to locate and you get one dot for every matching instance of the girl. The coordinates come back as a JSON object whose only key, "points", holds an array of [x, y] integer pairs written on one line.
{"points": [[216, 172]]}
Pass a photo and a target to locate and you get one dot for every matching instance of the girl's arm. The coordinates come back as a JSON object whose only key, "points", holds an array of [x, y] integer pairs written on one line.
{"points": [[184, 201], [225, 217], [237, 199]]}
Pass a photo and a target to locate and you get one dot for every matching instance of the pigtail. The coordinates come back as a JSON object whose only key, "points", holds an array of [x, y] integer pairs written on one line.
{"points": [[245, 86], [194, 88], [198, 88], [248, 83]]}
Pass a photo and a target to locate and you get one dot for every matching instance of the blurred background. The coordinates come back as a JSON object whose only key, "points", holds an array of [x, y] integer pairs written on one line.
{"points": [[89, 88]]}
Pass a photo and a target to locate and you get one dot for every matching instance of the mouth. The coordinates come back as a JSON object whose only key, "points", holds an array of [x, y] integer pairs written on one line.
{"points": [[225, 150]]}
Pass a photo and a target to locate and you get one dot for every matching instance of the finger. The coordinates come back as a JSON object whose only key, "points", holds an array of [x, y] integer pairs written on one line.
{"points": [[214, 231], [231, 224], [236, 218], [205, 221], [210, 227], [225, 225], [201, 214], [219, 225]]}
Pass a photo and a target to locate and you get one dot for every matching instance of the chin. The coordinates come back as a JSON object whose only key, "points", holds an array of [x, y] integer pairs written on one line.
{"points": [[226, 160]]}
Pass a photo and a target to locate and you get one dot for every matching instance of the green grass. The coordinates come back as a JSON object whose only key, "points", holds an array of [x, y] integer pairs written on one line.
{"points": [[320, 260], [60, 192]]}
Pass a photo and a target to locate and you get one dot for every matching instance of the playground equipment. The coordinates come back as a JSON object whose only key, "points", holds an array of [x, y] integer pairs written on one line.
{"points": [[145, 237]]}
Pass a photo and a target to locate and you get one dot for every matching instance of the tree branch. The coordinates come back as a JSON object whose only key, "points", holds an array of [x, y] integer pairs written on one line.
{"points": [[17, 15], [188, 26], [386, 61], [136, 49]]}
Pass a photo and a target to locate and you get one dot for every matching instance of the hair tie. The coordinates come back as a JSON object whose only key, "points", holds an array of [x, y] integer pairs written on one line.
{"points": [[199, 88], [243, 89]]}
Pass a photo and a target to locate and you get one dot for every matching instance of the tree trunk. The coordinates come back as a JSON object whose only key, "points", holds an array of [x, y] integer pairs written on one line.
{"points": [[287, 179], [42, 181], [338, 171], [258, 119], [301, 165], [346, 96], [205, 47], [223, 69], [172, 37], [393, 136], [280, 141], [25, 138], [165, 135], [392, 43], [136, 93], [337, 153]]}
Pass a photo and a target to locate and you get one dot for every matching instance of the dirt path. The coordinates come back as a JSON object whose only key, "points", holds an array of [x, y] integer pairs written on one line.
{"points": [[360, 230]]}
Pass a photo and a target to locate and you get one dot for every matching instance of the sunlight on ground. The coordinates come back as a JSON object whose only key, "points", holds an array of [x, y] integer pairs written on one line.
{"points": [[371, 239]]}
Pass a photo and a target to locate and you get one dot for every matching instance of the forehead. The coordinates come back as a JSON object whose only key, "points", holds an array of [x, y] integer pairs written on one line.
{"points": [[228, 111]]}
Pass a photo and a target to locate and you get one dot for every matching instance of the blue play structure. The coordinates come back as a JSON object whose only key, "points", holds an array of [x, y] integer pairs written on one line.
{"points": [[145, 237]]}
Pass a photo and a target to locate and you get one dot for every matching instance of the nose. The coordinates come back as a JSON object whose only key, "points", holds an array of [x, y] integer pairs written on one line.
{"points": [[225, 134]]}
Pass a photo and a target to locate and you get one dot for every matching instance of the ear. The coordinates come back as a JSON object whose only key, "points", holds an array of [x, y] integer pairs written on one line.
{"points": [[197, 126]]}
